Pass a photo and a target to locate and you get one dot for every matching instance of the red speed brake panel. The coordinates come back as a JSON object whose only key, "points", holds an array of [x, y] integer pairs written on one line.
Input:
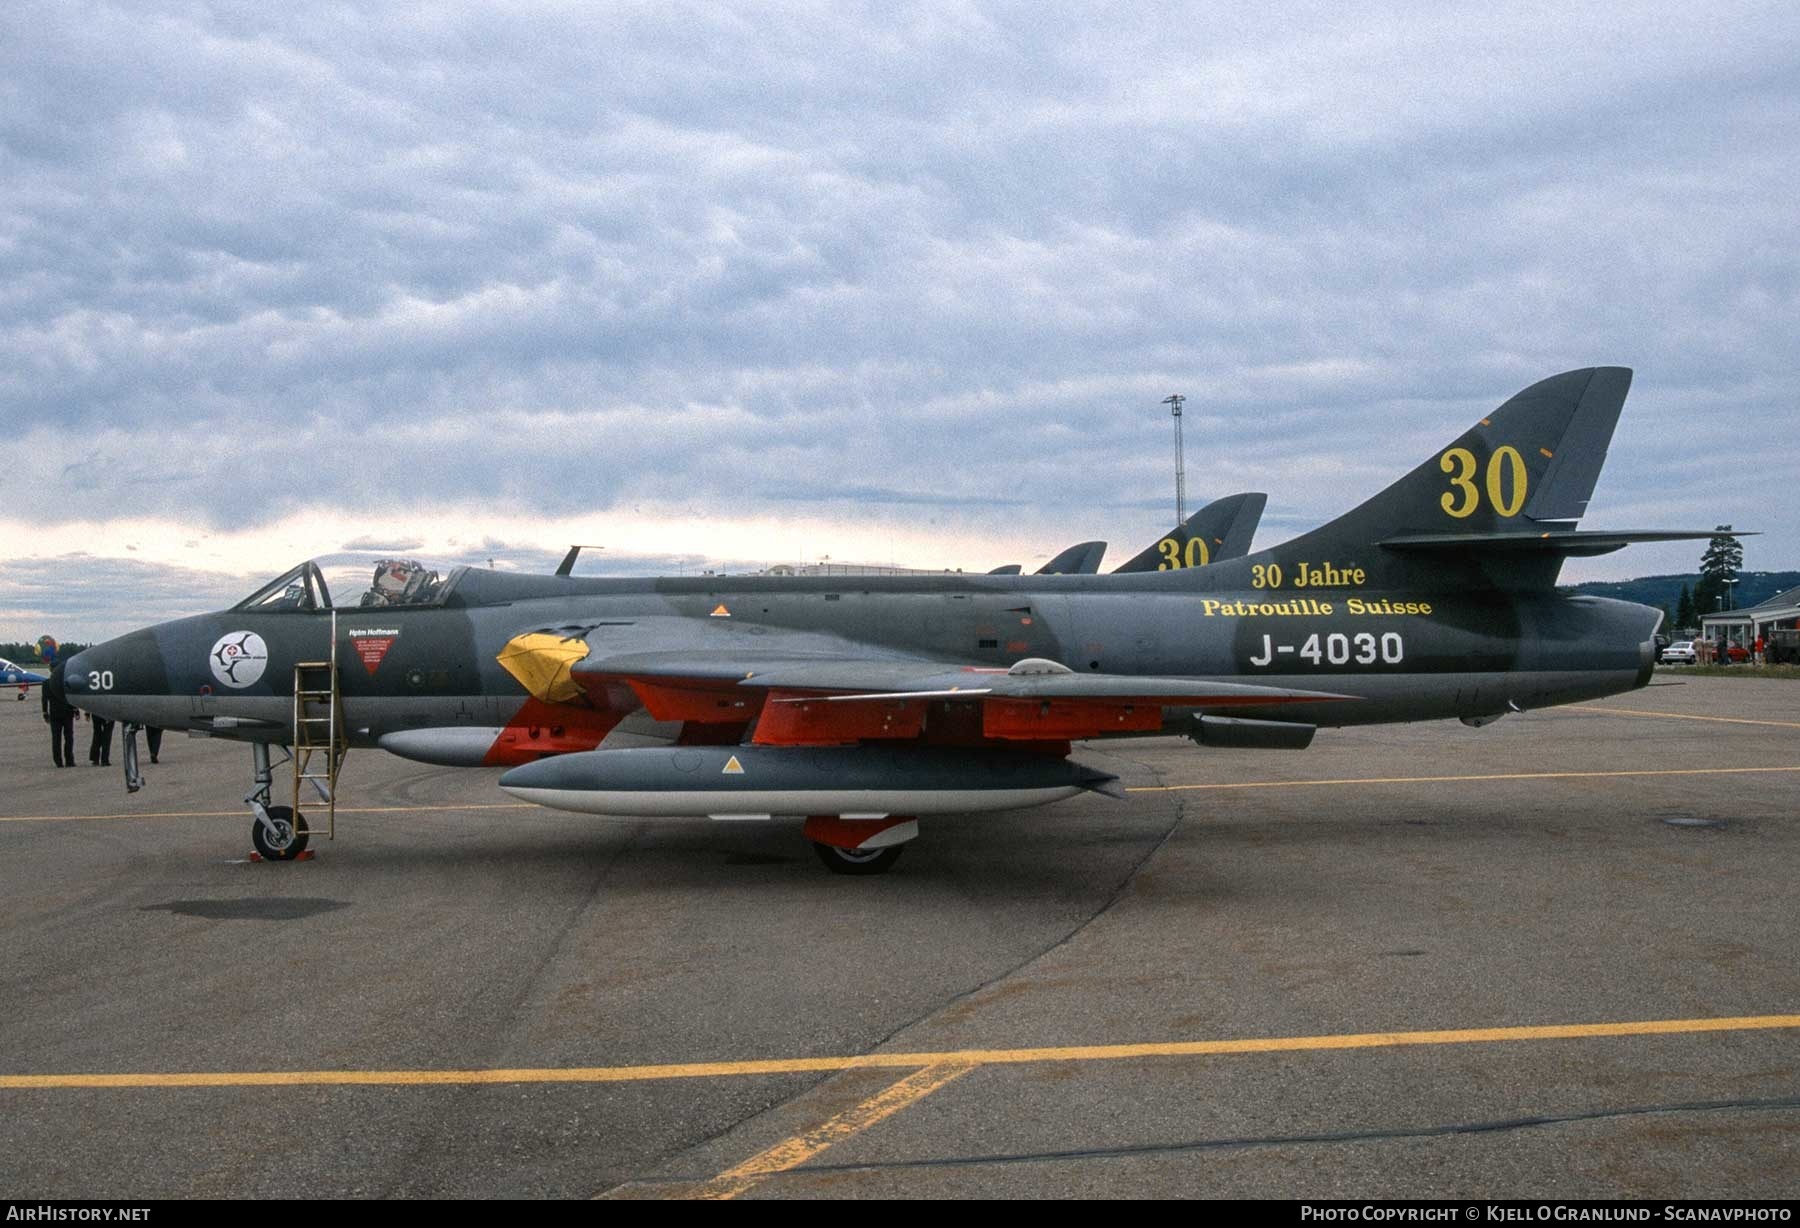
{"points": [[791, 718], [1031, 720], [707, 703], [539, 729]]}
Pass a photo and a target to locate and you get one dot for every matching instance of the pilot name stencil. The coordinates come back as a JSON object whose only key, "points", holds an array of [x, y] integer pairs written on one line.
{"points": [[372, 644]]}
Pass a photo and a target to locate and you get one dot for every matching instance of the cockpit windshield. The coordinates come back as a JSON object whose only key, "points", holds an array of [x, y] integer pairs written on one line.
{"points": [[299, 588]]}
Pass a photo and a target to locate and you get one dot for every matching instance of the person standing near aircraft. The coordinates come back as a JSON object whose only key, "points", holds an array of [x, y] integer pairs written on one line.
{"points": [[61, 719], [100, 745], [153, 742]]}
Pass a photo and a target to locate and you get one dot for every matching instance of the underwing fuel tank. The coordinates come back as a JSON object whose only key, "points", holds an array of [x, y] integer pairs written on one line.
{"points": [[461, 746], [754, 782]]}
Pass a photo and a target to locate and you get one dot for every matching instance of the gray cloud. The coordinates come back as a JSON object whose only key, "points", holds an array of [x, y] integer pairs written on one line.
{"points": [[377, 545], [942, 263], [79, 596]]}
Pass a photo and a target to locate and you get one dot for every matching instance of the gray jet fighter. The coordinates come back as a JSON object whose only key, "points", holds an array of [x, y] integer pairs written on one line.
{"points": [[866, 702]]}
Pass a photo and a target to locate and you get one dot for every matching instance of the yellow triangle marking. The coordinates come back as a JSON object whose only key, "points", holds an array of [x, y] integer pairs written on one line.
{"points": [[732, 767], [719, 611]]}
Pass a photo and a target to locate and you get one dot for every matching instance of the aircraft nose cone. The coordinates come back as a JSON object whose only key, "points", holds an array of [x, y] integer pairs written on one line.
{"points": [[75, 672], [111, 679]]}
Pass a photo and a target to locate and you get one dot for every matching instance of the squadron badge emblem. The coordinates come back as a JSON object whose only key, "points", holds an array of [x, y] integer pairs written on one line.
{"points": [[239, 658]]}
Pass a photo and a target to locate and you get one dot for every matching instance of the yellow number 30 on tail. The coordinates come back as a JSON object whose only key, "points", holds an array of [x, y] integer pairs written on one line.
{"points": [[1505, 469]]}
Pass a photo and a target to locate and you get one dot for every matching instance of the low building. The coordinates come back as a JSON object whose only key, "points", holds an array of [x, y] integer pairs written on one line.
{"points": [[1775, 621]]}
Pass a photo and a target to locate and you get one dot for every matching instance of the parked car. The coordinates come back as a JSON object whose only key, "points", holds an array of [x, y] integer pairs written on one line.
{"points": [[1681, 652]]}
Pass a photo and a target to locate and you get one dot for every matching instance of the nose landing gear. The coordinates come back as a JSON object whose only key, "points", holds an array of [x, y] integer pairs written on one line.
{"points": [[278, 833]]}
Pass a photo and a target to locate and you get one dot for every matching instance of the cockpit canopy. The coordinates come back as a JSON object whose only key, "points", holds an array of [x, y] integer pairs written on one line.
{"points": [[395, 583]]}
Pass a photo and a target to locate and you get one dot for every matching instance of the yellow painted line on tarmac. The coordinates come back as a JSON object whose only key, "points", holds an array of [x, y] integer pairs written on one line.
{"points": [[795, 1151], [901, 1061], [1683, 716], [244, 814], [1435, 780]]}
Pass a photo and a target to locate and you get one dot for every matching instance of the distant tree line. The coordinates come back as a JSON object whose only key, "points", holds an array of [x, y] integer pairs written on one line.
{"points": [[27, 654]]}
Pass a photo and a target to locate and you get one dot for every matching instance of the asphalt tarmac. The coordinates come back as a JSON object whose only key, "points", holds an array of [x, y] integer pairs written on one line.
{"points": [[1552, 958]]}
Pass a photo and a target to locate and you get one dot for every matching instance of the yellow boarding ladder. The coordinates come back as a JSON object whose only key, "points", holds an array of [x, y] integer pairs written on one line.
{"points": [[319, 730]]}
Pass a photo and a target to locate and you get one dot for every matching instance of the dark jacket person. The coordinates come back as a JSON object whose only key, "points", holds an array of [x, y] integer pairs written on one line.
{"points": [[100, 746], [61, 718]]}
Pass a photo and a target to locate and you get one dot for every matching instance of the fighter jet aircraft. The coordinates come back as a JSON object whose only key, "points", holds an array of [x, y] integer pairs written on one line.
{"points": [[866, 702], [19, 676]]}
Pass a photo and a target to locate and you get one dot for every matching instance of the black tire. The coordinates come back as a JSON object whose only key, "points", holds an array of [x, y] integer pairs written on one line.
{"points": [[858, 861], [294, 825]]}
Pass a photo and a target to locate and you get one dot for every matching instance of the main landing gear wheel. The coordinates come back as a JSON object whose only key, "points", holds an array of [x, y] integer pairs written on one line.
{"points": [[289, 840], [858, 861]]}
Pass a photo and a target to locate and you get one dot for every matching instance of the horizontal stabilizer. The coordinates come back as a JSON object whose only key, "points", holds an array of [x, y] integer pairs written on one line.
{"points": [[1569, 542]]}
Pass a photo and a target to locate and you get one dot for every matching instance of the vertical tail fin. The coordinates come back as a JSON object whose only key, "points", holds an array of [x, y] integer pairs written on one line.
{"points": [[1219, 531], [1081, 559], [1492, 507]]}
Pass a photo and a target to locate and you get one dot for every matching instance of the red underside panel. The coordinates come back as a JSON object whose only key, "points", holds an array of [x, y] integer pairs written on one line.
{"points": [[608, 692], [818, 722], [714, 704], [1036, 720], [538, 729], [848, 833], [694, 733]]}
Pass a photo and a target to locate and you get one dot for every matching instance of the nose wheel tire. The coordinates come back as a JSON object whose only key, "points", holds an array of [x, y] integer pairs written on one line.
{"points": [[858, 861], [289, 839]]}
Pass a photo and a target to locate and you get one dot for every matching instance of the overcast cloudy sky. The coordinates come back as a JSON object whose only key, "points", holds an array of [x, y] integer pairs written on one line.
{"points": [[722, 284]]}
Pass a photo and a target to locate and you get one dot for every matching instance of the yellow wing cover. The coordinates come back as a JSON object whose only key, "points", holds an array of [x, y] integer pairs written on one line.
{"points": [[541, 662]]}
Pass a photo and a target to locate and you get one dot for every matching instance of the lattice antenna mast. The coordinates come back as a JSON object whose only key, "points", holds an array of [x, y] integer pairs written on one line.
{"points": [[1174, 403]]}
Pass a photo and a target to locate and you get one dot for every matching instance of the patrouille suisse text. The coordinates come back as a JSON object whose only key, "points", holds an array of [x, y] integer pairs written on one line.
{"points": [[1301, 607]]}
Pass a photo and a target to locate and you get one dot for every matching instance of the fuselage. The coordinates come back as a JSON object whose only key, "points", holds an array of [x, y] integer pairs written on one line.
{"points": [[1395, 654]]}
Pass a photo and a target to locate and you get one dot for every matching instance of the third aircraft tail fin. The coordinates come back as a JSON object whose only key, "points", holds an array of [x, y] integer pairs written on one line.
{"points": [[1081, 559]]}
